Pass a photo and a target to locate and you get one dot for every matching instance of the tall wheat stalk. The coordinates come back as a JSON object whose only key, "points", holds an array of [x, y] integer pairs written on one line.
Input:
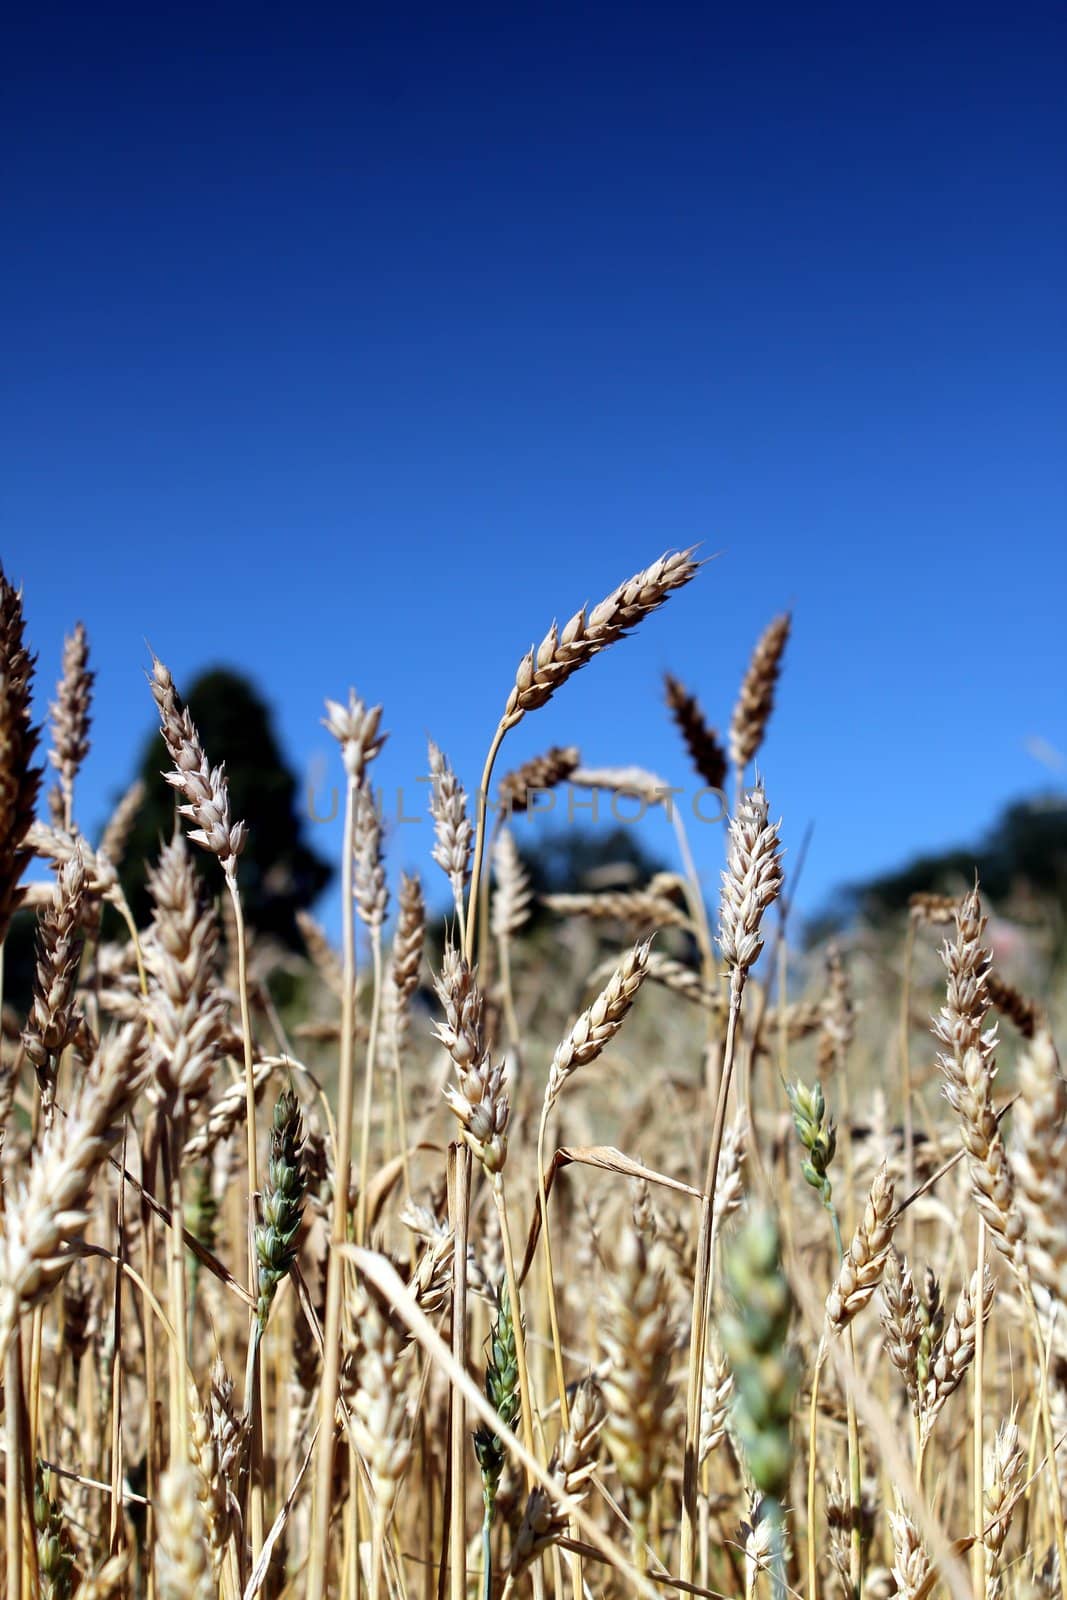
{"points": [[318, 1557], [751, 883]]}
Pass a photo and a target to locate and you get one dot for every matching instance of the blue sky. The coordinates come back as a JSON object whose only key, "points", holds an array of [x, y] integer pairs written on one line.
{"points": [[352, 345]]}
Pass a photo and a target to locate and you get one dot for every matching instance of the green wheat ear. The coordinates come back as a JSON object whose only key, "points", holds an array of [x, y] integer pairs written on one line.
{"points": [[283, 1203], [55, 1559], [816, 1133], [502, 1392], [755, 1338]]}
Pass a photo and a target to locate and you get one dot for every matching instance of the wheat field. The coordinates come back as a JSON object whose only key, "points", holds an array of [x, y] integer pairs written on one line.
{"points": [[623, 1270]]}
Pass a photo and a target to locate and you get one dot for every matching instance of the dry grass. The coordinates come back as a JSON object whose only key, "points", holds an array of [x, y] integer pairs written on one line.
{"points": [[713, 1337]]}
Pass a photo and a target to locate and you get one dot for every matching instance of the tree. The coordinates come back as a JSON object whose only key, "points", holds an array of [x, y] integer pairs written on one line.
{"points": [[279, 873], [563, 860], [1022, 861]]}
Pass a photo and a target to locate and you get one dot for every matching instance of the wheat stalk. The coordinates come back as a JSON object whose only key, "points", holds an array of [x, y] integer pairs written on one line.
{"points": [[639, 1396], [203, 789], [357, 729], [563, 651], [19, 779], [937, 909], [596, 1027], [837, 1018], [227, 1112], [183, 1567], [571, 1467], [1039, 1160], [716, 1402], [865, 1259], [184, 1009], [61, 846], [705, 751], [371, 890], [969, 1067], [651, 905], [755, 702], [53, 1021], [548, 665], [631, 781], [951, 1359], [377, 1392], [454, 835], [911, 1564], [1019, 1009], [408, 940], [751, 883], [1002, 1491], [70, 718], [47, 1208], [902, 1322]]}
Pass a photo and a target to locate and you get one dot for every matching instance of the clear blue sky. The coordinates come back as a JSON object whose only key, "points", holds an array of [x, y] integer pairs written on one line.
{"points": [[351, 345]]}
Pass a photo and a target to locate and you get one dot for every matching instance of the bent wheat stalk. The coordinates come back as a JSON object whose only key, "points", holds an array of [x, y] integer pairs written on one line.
{"points": [[547, 666]]}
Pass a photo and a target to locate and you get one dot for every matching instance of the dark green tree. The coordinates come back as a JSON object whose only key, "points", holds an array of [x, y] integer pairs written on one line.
{"points": [[1021, 862], [279, 873], [578, 858]]}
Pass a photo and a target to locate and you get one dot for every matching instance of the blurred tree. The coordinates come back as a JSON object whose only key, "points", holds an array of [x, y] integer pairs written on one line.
{"points": [[1021, 864], [279, 872], [578, 859]]}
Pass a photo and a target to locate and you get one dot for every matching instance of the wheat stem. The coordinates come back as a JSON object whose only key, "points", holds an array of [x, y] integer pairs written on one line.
{"points": [[318, 1558], [1049, 1432], [905, 1072], [368, 1084], [702, 1285], [550, 1287], [813, 1417], [176, 1261], [13, 1467], [978, 1450], [254, 1400], [468, 931], [459, 1209], [525, 1402]]}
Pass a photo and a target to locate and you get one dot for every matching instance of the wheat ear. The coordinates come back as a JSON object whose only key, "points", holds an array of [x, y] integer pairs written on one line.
{"points": [[1039, 1160], [639, 1396], [864, 1262], [48, 1207], [911, 1564], [572, 1465], [588, 1037], [755, 702], [52, 1020], [705, 751], [541, 773], [563, 651], [19, 779], [968, 1064], [548, 665], [70, 718], [901, 1323], [183, 1566]]}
